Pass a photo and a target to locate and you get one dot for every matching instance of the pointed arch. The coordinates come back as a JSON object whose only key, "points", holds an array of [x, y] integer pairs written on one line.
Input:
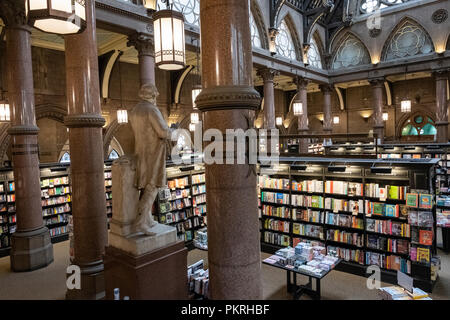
{"points": [[408, 38], [349, 51], [287, 41], [315, 51], [448, 43], [256, 15]]}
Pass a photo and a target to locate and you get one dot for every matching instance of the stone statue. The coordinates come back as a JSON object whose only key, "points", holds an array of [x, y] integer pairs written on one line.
{"points": [[151, 134]]}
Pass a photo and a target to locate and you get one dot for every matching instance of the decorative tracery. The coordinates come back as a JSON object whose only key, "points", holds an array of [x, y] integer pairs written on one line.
{"points": [[256, 39], [368, 6], [189, 8], [351, 52], [284, 44], [314, 57]]}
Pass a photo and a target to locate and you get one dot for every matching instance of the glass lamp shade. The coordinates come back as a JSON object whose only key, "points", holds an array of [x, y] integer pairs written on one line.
{"points": [[298, 108], [278, 121], [385, 116], [195, 92], [192, 127], [122, 116], [405, 106], [170, 51], [149, 4], [57, 16], [5, 114], [336, 120], [194, 118]]}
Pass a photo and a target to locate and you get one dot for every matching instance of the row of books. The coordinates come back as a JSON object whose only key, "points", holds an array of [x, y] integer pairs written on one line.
{"points": [[178, 183], [308, 185], [354, 206], [443, 218], [281, 212], [277, 225], [197, 189], [308, 215], [188, 224], [307, 201], [179, 194], [2, 197], [108, 183], [57, 219], [198, 178], [385, 209], [51, 182], [353, 255], [276, 238], [12, 219], [344, 187], [443, 200], [178, 204], [388, 227], [196, 200], [307, 230], [108, 195], [390, 262], [2, 187], [272, 183], [422, 200], [344, 220], [420, 254], [375, 190], [58, 231], [275, 197], [200, 210], [175, 216], [55, 191], [387, 244], [421, 218], [11, 197], [422, 236], [352, 238], [57, 200], [11, 186]]}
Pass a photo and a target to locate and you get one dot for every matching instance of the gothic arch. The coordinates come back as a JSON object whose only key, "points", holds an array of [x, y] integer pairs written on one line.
{"points": [[259, 19], [448, 43], [295, 38], [51, 111], [320, 49], [337, 47], [386, 54], [402, 121], [108, 135]]}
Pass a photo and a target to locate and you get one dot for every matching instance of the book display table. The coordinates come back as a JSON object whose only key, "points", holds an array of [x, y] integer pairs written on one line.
{"points": [[297, 290]]}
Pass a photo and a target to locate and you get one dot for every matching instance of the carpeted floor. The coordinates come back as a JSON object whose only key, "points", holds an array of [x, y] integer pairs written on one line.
{"points": [[49, 283]]}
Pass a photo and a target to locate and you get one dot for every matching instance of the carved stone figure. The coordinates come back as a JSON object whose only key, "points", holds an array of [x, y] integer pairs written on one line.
{"points": [[151, 134]]}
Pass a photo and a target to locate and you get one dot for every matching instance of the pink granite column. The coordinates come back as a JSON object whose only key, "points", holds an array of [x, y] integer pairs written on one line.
{"points": [[327, 113], [30, 245], [146, 56], [377, 93], [86, 144], [441, 106], [228, 101], [303, 123]]}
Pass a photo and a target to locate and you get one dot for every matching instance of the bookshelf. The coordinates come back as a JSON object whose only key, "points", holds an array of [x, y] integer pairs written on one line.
{"points": [[108, 190], [359, 214], [182, 204]]}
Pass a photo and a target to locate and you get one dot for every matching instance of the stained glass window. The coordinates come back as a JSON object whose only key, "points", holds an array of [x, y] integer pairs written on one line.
{"points": [[189, 8], [65, 158], [256, 40], [351, 52], [113, 155], [284, 44], [409, 40], [314, 55], [419, 125]]}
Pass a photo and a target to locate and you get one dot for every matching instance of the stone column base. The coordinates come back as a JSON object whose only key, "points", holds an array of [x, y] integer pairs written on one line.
{"points": [[157, 275], [92, 283], [31, 250]]}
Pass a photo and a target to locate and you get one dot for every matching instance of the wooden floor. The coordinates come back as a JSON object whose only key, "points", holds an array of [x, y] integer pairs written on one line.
{"points": [[49, 283]]}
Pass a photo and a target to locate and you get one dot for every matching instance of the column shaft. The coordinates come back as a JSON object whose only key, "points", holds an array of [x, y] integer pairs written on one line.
{"points": [[146, 57], [86, 144], [441, 106], [303, 123], [227, 102], [31, 246], [377, 92]]}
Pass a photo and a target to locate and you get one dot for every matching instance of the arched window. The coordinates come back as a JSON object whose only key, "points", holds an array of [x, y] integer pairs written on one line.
{"points": [[113, 155], [419, 125], [409, 39], [189, 8], [285, 45], [256, 39], [314, 54], [65, 158], [351, 52], [368, 6]]}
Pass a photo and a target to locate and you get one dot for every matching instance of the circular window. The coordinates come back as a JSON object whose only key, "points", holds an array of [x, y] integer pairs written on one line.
{"points": [[418, 119]]}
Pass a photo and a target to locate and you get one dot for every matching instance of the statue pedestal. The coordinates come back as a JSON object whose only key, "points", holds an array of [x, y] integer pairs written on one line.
{"points": [[142, 267], [157, 275]]}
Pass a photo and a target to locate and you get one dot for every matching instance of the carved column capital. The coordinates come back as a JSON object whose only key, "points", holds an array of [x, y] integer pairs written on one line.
{"points": [[442, 74], [326, 88], [143, 43], [376, 82], [267, 73], [301, 83], [13, 14]]}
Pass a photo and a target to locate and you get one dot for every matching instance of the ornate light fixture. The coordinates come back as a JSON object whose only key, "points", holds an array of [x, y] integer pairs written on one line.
{"points": [[336, 120], [169, 39], [405, 104], [122, 116], [194, 118], [297, 106], [57, 16], [278, 121], [149, 4], [385, 116]]}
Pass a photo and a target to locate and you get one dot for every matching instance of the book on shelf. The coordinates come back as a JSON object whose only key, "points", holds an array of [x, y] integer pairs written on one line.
{"points": [[412, 200], [426, 237], [423, 255], [425, 201]]}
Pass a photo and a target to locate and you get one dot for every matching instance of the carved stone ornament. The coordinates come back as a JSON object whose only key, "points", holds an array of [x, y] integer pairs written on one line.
{"points": [[84, 120], [439, 16], [143, 44], [228, 97], [375, 32], [13, 13], [23, 130]]}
